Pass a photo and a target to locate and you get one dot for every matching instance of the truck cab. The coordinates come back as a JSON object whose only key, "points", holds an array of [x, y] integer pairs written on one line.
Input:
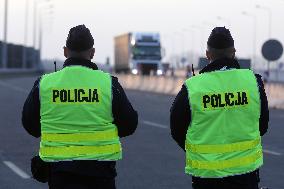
{"points": [[138, 53], [146, 54]]}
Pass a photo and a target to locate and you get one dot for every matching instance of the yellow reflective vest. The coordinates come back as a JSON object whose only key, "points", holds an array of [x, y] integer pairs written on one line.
{"points": [[76, 116], [223, 137]]}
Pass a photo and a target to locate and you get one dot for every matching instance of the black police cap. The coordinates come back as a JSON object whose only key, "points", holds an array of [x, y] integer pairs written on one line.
{"points": [[79, 39], [220, 38]]}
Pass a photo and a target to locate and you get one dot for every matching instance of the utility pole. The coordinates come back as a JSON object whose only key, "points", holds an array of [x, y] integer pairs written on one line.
{"points": [[24, 63], [34, 33], [35, 23], [269, 31], [254, 36], [48, 11], [4, 46], [37, 27], [40, 40]]}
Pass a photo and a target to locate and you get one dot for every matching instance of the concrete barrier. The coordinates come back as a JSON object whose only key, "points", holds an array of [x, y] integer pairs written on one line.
{"points": [[163, 85], [171, 86], [8, 73], [275, 93]]}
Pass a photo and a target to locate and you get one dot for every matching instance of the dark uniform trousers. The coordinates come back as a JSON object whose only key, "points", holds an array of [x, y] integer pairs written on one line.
{"points": [[222, 185], [65, 180], [245, 181]]}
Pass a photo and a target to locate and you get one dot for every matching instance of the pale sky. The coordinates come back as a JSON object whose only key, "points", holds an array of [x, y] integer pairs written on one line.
{"points": [[172, 18]]}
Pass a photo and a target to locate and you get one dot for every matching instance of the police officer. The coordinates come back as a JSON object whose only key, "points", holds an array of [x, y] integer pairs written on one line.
{"points": [[80, 113], [218, 118]]}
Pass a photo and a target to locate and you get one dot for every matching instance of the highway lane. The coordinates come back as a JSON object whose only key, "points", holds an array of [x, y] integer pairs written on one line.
{"points": [[151, 157]]}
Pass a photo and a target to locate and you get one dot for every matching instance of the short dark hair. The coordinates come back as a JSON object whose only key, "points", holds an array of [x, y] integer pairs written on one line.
{"points": [[221, 53]]}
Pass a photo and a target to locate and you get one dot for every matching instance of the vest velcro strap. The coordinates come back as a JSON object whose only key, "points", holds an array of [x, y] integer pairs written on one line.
{"points": [[80, 137], [220, 165], [80, 150], [222, 148]]}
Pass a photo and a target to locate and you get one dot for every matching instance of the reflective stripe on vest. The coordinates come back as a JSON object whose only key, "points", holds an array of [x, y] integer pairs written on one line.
{"points": [[219, 165], [77, 137], [223, 137], [76, 116], [223, 148], [80, 150]]}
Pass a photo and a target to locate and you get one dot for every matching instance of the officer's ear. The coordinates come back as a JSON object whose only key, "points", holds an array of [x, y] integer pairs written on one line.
{"points": [[234, 53], [208, 55], [66, 52], [92, 53]]}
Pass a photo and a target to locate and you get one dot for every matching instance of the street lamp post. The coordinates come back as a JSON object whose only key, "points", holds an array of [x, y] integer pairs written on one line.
{"points": [[191, 31], [169, 44], [254, 35], [209, 25], [44, 11], [26, 22], [269, 31], [181, 36], [172, 57], [37, 3], [35, 23], [201, 37], [202, 33], [4, 45], [24, 60], [269, 18], [35, 59]]}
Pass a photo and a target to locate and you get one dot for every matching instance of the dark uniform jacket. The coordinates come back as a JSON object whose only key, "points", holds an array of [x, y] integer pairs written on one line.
{"points": [[181, 116], [125, 118]]}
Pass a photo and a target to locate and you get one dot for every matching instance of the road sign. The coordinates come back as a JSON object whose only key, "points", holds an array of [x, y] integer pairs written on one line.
{"points": [[272, 50]]}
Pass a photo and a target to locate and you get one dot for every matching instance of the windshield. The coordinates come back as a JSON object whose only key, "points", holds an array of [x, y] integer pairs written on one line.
{"points": [[147, 52]]}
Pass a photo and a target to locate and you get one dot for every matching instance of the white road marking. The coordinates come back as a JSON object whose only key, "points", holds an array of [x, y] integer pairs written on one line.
{"points": [[271, 152], [15, 88], [155, 124], [16, 169]]}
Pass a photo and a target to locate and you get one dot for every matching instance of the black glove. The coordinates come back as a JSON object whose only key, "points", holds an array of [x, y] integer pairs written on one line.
{"points": [[39, 169]]}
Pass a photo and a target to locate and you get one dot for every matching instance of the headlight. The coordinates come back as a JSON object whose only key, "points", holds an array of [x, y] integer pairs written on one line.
{"points": [[135, 71], [133, 42], [159, 72]]}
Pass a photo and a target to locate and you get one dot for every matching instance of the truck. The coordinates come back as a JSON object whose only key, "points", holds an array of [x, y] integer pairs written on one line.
{"points": [[138, 53]]}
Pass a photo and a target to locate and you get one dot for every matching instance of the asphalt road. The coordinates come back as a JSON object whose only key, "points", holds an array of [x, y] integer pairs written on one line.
{"points": [[151, 160]]}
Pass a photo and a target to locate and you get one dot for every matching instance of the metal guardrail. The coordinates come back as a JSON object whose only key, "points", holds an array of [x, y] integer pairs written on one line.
{"points": [[4, 73]]}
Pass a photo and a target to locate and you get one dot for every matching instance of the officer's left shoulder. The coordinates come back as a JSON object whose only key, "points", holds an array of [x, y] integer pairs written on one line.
{"points": [[259, 80], [114, 79], [258, 76], [106, 73]]}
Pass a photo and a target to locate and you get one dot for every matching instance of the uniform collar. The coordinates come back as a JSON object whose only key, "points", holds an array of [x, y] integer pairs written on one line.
{"points": [[219, 64], [80, 62]]}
